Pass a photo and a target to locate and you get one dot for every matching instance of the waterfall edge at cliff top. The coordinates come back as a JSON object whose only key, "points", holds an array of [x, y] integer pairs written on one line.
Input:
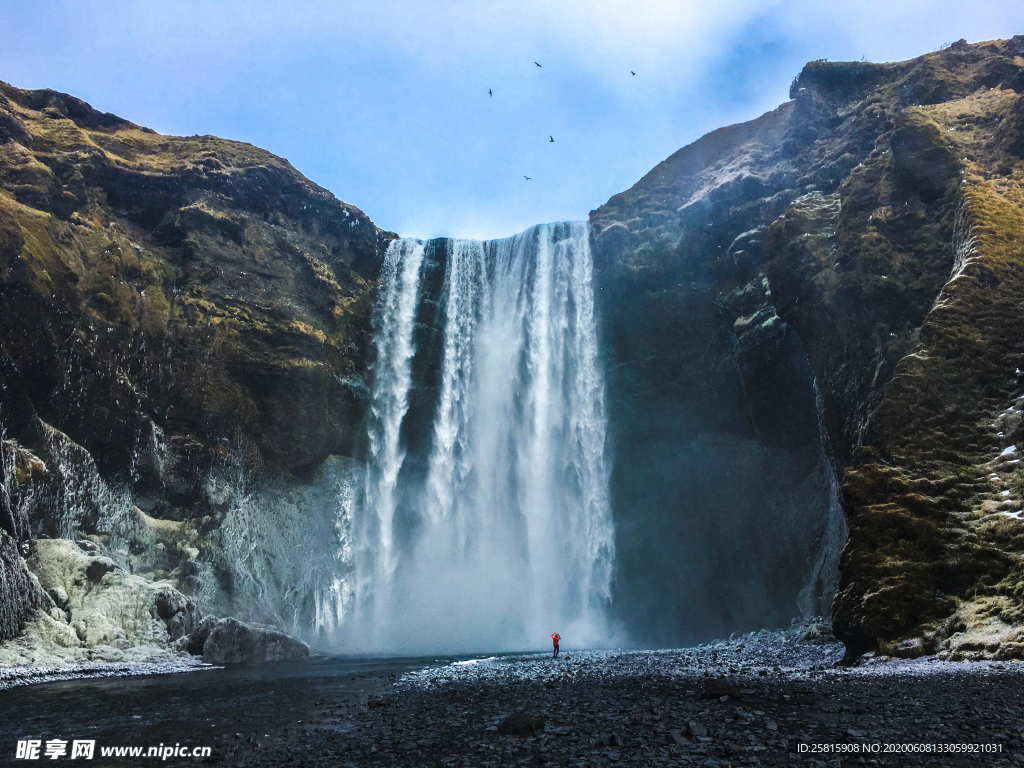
{"points": [[484, 520]]}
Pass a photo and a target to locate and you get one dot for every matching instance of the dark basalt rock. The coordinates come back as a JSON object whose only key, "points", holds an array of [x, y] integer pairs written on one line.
{"points": [[711, 402], [229, 641], [817, 244]]}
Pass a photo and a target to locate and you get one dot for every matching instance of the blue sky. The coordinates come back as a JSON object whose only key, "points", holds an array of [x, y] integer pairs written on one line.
{"points": [[385, 102]]}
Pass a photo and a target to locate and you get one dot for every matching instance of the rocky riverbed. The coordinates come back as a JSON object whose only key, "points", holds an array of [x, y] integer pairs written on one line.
{"points": [[761, 699], [756, 700]]}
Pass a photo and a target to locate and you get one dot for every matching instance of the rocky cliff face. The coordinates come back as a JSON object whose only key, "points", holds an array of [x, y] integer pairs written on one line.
{"points": [[183, 336], [712, 397], [864, 241]]}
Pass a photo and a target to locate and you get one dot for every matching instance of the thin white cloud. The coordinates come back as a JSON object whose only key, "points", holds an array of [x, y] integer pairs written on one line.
{"points": [[385, 102]]}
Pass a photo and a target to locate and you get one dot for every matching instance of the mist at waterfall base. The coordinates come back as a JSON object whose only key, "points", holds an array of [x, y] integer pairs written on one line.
{"points": [[484, 521]]}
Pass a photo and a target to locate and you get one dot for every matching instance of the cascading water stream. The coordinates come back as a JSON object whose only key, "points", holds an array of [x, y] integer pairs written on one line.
{"points": [[392, 379], [506, 531], [815, 598]]}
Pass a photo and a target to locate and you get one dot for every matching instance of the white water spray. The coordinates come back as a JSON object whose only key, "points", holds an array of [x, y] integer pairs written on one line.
{"points": [[508, 532], [392, 378]]}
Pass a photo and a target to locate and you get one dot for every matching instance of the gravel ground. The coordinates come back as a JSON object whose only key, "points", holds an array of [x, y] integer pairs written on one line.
{"points": [[751, 701], [763, 699]]}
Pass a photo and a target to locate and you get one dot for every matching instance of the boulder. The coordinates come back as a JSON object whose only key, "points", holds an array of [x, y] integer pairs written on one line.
{"points": [[230, 641]]}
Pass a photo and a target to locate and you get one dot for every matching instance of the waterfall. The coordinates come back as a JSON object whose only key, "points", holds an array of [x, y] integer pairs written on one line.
{"points": [[815, 598], [503, 532]]}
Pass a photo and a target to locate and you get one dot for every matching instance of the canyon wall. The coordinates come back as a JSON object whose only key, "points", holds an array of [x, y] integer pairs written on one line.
{"points": [[182, 345], [861, 246]]}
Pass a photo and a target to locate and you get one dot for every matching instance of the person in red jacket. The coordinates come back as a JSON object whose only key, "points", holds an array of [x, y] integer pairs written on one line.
{"points": [[555, 637]]}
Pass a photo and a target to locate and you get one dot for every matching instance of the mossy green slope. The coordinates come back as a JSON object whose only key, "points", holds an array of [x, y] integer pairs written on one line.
{"points": [[200, 282]]}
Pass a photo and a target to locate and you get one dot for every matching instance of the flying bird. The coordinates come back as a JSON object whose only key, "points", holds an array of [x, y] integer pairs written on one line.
{"points": [[528, 178], [490, 92], [551, 139], [632, 73], [539, 64]]}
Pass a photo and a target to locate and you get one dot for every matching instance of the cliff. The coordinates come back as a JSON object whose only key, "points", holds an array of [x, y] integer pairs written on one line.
{"points": [[175, 309], [860, 247]]}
